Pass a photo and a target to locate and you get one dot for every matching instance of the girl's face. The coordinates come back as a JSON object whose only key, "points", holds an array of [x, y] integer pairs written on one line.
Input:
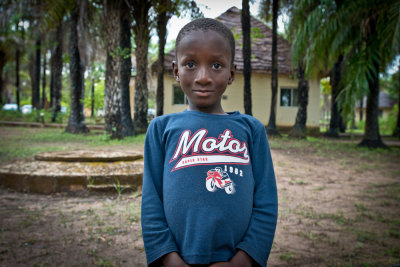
{"points": [[204, 69]]}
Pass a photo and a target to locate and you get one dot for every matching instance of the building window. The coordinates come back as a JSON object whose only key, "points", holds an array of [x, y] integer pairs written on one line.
{"points": [[179, 96], [288, 97]]}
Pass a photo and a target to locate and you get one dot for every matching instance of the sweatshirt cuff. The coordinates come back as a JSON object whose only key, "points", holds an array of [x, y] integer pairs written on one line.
{"points": [[260, 260], [154, 256]]}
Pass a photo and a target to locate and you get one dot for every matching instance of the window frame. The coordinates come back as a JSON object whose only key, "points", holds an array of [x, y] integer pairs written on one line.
{"points": [[185, 100], [293, 98]]}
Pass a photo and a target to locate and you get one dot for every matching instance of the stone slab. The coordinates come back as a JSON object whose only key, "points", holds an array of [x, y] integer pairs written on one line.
{"points": [[88, 156], [48, 177]]}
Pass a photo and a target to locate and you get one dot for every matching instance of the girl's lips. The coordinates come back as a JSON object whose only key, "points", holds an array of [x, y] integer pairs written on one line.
{"points": [[202, 92]]}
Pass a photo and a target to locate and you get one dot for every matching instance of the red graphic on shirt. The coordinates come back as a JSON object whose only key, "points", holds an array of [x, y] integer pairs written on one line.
{"points": [[198, 149], [217, 178]]}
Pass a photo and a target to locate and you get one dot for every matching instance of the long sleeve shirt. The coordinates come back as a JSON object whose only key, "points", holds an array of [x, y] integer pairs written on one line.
{"points": [[208, 188]]}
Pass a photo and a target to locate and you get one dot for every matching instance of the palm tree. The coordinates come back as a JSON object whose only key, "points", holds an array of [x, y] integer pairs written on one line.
{"points": [[140, 10], [367, 35], [396, 131], [370, 31], [271, 127], [301, 33], [17, 67], [56, 66], [299, 129], [76, 118], [44, 65], [125, 71], [165, 9], [36, 87], [246, 28], [337, 88], [112, 96], [163, 15]]}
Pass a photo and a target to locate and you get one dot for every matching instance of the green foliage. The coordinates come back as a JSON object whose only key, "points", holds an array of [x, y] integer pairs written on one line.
{"points": [[256, 34], [98, 94], [119, 52], [388, 124], [321, 31], [151, 103], [153, 51], [390, 85], [118, 187], [325, 86]]}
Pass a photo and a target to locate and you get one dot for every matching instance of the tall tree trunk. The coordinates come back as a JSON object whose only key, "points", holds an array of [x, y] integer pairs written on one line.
{"points": [[76, 117], [2, 64], [36, 88], [56, 66], [246, 28], [31, 69], [334, 124], [125, 71], [162, 20], [92, 100], [372, 137], [18, 89], [44, 100], [396, 131], [271, 128], [361, 108], [299, 129], [112, 97], [142, 36]]}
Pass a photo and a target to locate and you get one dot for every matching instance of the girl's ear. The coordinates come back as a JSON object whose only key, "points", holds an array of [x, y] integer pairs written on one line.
{"points": [[232, 74], [175, 70]]}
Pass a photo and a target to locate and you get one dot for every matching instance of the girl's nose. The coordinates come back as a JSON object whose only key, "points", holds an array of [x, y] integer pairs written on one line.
{"points": [[202, 76]]}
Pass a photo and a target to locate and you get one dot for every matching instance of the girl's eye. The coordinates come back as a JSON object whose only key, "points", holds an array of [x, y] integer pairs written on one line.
{"points": [[217, 66], [190, 65]]}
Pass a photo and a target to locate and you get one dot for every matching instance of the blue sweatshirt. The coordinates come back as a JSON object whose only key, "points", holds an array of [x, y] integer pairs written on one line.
{"points": [[208, 188]]}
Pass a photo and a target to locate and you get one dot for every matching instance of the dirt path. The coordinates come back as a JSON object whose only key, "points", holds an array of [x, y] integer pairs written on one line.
{"points": [[336, 207], [89, 229]]}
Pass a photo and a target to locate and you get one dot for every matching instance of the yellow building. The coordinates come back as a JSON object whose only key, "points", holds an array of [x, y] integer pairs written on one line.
{"points": [[175, 100], [386, 105]]}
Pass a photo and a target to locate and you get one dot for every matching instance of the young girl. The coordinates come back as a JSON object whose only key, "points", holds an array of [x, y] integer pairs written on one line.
{"points": [[209, 190]]}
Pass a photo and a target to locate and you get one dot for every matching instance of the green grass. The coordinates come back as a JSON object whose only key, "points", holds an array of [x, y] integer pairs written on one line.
{"points": [[286, 256], [330, 148], [35, 116], [309, 212], [46, 117], [26, 142]]}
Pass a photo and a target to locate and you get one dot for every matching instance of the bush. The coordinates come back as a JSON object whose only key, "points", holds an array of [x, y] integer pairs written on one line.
{"points": [[387, 125]]}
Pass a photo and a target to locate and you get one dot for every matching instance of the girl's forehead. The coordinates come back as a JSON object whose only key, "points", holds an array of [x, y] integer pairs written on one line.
{"points": [[200, 32], [202, 37]]}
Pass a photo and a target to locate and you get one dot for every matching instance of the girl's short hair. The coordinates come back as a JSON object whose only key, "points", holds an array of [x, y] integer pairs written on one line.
{"points": [[207, 24]]}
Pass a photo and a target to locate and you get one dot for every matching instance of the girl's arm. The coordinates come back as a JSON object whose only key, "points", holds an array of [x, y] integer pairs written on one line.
{"points": [[157, 237], [258, 239]]}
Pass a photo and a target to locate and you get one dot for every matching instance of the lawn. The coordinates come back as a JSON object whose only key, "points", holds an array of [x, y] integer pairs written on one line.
{"points": [[339, 205]]}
